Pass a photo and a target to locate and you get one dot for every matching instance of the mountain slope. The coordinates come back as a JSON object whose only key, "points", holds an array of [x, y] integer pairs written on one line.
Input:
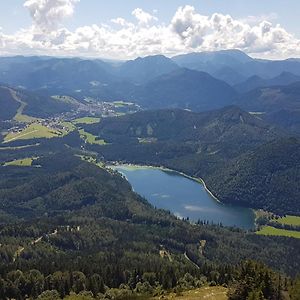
{"points": [[98, 234], [182, 125], [12, 100], [224, 65], [271, 99], [259, 169], [144, 69], [238, 62], [285, 118], [195, 143], [64, 76], [212, 58], [8, 104], [229, 75], [266, 178], [254, 82], [185, 88], [63, 72]]}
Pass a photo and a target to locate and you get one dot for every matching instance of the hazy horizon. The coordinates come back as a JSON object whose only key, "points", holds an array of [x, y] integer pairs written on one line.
{"points": [[112, 60]]}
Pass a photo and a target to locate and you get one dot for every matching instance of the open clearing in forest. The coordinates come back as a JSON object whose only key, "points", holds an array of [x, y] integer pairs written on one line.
{"points": [[207, 293], [289, 220], [90, 138], [269, 230], [20, 117], [24, 162], [86, 120], [33, 131]]}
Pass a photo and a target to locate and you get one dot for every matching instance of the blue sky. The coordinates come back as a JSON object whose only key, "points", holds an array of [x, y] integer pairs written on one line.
{"points": [[287, 11], [14, 17]]}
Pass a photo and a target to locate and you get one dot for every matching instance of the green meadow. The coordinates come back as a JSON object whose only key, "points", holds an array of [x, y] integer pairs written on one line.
{"points": [[289, 220], [86, 120], [33, 131], [90, 138], [24, 162], [269, 230]]}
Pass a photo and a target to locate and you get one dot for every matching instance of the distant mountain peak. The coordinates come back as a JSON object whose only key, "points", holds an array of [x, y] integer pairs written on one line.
{"points": [[152, 57], [211, 56], [143, 69]]}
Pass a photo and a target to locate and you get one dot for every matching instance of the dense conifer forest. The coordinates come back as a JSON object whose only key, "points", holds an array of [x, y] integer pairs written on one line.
{"points": [[72, 226]]}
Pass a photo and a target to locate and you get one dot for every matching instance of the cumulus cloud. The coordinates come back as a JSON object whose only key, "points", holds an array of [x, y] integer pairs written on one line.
{"points": [[48, 14], [259, 18], [143, 17], [218, 31], [188, 31]]}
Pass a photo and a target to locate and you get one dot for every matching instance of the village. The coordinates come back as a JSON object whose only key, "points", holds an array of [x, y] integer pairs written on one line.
{"points": [[61, 124]]}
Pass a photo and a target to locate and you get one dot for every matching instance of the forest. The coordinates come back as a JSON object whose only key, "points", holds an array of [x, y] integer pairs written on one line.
{"points": [[75, 227], [70, 227], [226, 148]]}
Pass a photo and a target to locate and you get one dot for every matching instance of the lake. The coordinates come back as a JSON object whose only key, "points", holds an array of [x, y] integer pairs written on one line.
{"points": [[184, 197]]}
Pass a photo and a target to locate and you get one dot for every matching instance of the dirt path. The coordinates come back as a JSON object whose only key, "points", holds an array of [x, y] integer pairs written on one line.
{"points": [[19, 136], [186, 256], [22, 103], [18, 253], [36, 241]]}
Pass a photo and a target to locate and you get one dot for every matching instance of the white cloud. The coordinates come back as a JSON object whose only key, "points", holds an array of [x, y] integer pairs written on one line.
{"points": [[252, 20], [121, 22], [48, 14], [188, 31], [143, 17]]}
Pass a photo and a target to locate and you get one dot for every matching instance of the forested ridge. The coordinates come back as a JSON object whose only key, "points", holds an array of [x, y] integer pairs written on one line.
{"points": [[98, 234], [33, 104], [267, 178], [73, 226], [243, 159]]}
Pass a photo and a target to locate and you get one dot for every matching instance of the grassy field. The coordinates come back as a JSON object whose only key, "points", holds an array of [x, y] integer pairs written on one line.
{"points": [[24, 162], [19, 117], [289, 220], [208, 293], [65, 99], [86, 120], [70, 126], [90, 138], [269, 230], [121, 103], [33, 131]]}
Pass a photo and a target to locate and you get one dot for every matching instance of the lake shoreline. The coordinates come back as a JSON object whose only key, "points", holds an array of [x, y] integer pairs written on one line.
{"points": [[197, 179], [128, 167]]}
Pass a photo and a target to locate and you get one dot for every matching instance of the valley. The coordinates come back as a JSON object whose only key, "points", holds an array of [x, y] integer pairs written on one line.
{"points": [[149, 150], [219, 146]]}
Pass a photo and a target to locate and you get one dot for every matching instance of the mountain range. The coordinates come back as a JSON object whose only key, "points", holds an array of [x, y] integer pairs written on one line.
{"points": [[70, 224], [219, 124], [197, 82], [238, 64], [184, 88]]}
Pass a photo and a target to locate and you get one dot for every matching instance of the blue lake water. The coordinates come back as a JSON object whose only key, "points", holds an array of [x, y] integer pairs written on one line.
{"points": [[184, 197]]}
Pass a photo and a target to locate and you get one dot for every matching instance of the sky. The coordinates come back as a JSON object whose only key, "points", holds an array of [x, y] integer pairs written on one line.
{"points": [[119, 29]]}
